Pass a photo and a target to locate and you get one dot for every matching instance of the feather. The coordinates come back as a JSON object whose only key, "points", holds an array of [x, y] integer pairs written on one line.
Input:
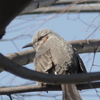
{"points": [[70, 92], [44, 61]]}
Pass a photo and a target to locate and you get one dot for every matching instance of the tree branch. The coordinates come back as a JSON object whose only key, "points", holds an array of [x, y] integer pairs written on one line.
{"points": [[45, 3], [78, 1], [9, 9], [23, 72], [23, 57], [37, 4], [32, 8], [87, 46], [36, 88]]}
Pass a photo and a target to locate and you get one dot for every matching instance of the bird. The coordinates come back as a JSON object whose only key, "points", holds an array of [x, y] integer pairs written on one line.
{"points": [[54, 55]]}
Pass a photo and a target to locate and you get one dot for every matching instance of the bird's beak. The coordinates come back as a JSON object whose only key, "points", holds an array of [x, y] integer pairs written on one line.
{"points": [[28, 45]]}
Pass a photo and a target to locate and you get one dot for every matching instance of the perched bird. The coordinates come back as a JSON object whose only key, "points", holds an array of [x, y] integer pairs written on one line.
{"points": [[56, 56]]}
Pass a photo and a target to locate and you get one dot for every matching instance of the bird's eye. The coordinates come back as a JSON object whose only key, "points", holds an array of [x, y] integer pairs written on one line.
{"points": [[40, 38]]}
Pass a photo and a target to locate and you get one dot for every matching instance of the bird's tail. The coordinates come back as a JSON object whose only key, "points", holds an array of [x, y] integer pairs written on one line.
{"points": [[70, 92]]}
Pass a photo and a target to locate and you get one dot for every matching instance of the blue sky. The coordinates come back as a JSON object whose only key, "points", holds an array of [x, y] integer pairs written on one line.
{"points": [[76, 26]]}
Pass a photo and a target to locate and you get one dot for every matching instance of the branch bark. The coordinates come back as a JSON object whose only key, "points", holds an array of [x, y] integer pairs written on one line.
{"points": [[63, 9], [26, 73], [36, 88], [23, 57], [72, 1], [9, 9], [37, 4], [32, 8]]}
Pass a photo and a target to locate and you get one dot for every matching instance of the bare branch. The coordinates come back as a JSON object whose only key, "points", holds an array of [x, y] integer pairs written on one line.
{"points": [[78, 1], [37, 4], [10, 97], [23, 57], [36, 88], [23, 72], [31, 9], [87, 46]]}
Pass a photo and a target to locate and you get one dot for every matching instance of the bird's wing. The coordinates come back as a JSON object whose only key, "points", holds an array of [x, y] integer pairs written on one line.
{"points": [[82, 68], [43, 62]]}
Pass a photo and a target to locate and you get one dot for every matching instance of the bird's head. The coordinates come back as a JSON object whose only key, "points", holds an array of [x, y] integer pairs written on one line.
{"points": [[39, 38]]}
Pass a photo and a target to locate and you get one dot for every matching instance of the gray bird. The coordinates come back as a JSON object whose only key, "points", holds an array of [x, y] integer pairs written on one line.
{"points": [[54, 55]]}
